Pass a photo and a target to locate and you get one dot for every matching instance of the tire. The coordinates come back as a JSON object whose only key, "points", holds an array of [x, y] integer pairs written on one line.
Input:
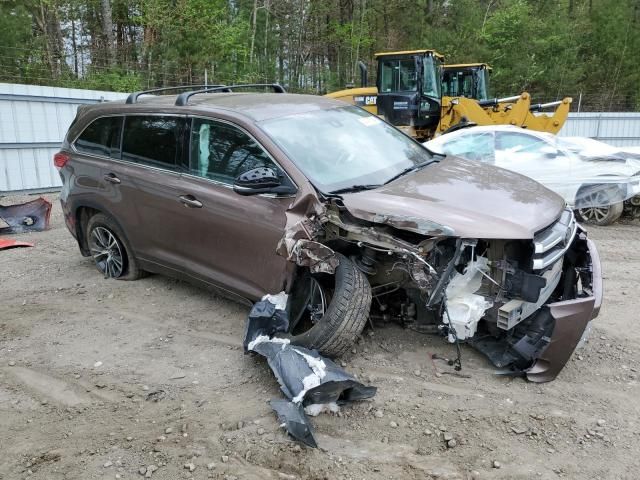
{"points": [[346, 314], [604, 215], [104, 234]]}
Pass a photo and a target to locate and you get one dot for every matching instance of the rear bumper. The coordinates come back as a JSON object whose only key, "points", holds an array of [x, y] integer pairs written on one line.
{"points": [[571, 319]]}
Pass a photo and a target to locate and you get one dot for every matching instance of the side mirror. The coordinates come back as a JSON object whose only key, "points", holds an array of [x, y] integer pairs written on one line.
{"points": [[260, 180]]}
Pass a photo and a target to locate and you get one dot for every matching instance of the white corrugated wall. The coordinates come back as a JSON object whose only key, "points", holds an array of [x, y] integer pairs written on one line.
{"points": [[621, 129], [33, 122]]}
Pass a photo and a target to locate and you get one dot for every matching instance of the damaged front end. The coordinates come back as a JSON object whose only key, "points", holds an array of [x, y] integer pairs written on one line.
{"points": [[525, 304]]}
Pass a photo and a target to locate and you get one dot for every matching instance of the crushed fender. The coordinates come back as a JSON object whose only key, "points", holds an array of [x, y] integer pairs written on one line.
{"points": [[6, 244], [307, 253], [311, 382], [31, 216], [297, 245]]}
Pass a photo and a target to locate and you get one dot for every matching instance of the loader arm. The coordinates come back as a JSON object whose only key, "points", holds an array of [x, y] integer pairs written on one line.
{"points": [[458, 111], [509, 111], [548, 123]]}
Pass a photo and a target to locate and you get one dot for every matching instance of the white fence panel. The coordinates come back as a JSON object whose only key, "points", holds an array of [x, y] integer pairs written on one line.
{"points": [[33, 122], [615, 128]]}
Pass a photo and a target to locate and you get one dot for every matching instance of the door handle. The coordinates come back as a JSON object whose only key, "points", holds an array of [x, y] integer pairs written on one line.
{"points": [[190, 201], [111, 178]]}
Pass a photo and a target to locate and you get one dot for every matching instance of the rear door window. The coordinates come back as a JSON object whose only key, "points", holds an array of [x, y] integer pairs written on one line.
{"points": [[222, 152], [101, 137], [518, 142], [153, 140]]}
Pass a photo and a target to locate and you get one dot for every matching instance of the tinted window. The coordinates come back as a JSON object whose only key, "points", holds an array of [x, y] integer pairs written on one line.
{"points": [[101, 137], [222, 152], [152, 140]]}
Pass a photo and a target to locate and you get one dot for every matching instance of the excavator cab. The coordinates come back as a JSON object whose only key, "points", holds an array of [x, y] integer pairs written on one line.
{"points": [[409, 86], [469, 80]]}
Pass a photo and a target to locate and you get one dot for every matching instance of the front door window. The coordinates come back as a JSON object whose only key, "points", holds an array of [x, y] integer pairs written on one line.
{"points": [[222, 152]]}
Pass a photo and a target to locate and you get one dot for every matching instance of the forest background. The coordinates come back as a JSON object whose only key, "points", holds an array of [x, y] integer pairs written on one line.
{"points": [[551, 48]]}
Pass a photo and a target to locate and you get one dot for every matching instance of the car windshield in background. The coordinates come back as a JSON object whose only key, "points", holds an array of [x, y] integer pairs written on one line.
{"points": [[344, 147]]}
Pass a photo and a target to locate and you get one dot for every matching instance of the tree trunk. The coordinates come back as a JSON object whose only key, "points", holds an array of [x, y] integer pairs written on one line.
{"points": [[107, 27], [265, 58], [74, 47], [253, 30]]}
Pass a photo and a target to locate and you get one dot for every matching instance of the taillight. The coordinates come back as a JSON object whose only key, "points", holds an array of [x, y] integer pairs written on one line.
{"points": [[60, 159]]}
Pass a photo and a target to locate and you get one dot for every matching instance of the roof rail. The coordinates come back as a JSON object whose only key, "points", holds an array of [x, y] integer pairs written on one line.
{"points": [[133, 97], [183, 98]]}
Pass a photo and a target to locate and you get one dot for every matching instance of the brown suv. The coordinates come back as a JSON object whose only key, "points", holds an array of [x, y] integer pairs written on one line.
{"points": [[262, 193]]}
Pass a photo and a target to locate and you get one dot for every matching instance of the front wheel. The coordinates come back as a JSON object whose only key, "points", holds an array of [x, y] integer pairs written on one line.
{"points": [[328, 312], [603, 205]]}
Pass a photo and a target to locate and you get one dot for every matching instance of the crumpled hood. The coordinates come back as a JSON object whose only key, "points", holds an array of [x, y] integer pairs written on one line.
{"points": [[461, 198]]}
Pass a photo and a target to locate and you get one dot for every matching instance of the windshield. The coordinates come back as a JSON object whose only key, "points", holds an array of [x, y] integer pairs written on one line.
{"points": [[459, 84], [470, 83], [343, 147], [431, 77]]}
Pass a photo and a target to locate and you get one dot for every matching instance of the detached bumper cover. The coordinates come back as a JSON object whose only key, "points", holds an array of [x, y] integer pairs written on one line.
{"points": [[571, 320], [31, 216]]}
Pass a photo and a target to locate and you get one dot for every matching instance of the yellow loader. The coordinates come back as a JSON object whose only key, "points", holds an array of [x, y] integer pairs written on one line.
{"points": [[409, 94], [471, 80]]}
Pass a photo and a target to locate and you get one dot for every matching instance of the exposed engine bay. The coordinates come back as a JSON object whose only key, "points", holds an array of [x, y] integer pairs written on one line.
{"points": [[495, 295]]}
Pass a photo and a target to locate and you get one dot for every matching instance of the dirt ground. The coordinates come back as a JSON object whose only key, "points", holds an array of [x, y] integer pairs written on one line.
{"points": [[107, 379]]}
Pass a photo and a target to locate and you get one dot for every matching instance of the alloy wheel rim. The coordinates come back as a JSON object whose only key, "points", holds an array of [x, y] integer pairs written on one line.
{"points": [[107, 252], [317, 305], [312, 309], [596, 214]]}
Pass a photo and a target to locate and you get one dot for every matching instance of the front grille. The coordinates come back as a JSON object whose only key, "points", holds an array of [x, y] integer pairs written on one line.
{"points": [[550, 245]]}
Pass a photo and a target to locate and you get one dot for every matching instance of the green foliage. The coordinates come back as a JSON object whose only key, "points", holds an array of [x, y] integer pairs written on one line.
{"points": [[115, 81], [550, 48]]}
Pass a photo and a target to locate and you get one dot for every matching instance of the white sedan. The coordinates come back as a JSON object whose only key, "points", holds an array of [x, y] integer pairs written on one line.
{"points": [[598, 180]]}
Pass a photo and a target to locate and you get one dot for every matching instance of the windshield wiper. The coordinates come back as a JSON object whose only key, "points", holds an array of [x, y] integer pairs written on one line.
{"points": [[356, 188], [411, 169]]}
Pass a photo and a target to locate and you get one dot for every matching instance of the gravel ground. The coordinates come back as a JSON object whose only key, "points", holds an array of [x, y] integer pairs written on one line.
{"points": [[108, 379]]}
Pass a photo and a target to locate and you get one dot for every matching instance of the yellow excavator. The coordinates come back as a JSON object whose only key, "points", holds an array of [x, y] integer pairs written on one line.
{"points": [[409, 94]]}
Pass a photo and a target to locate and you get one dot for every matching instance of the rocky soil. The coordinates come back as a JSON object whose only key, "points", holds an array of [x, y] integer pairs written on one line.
{"points": [[147, 379]]}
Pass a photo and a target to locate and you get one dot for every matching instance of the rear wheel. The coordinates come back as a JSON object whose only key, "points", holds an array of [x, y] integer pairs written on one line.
{"points": [[110, 251], [328, 312], [604, 205]]}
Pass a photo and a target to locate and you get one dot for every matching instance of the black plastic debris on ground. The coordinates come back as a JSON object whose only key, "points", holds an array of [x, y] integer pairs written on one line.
{"points": [[311, 382], [292, 417], [31, 216]]}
